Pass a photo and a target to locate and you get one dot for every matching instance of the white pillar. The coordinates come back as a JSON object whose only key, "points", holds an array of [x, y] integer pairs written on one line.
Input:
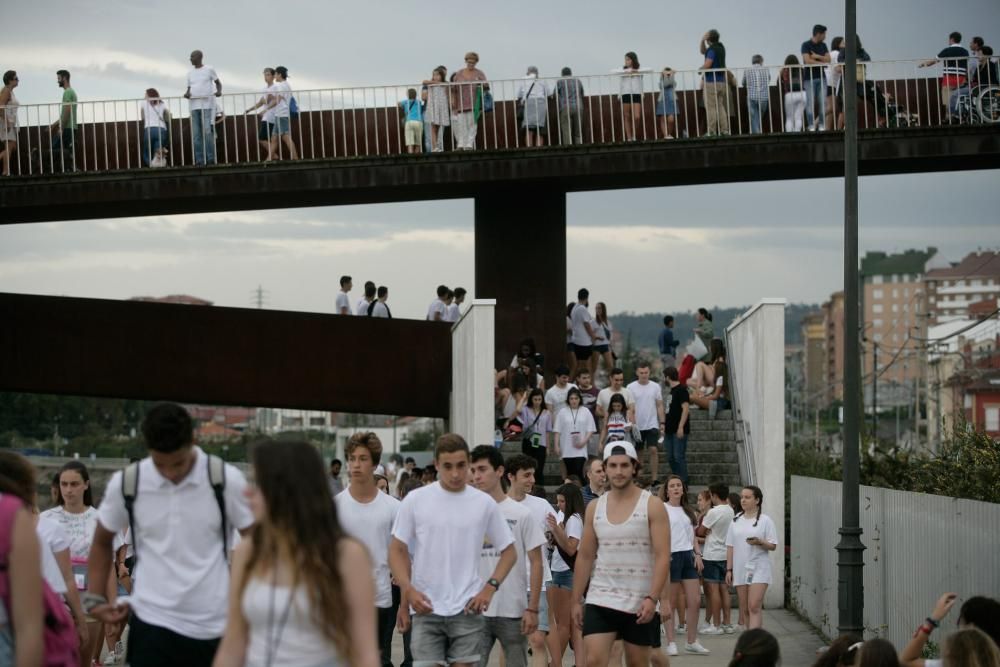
{"points": [[472, 373]]}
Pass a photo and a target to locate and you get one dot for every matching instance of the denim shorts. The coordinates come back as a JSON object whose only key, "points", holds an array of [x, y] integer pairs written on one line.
{"points": [[443, 640], [563, 579], [682, 566], [543, 611], [714, 572], [282, 125]]}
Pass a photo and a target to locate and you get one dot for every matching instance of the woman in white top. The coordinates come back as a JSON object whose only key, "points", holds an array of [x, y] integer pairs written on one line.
{"points": [[685, 566], [533, 96], [280, 106], [631, 93], [573, 428], [296, 597], [266, 129], [8, 119], [78, 517], [834, 74], [155, 120], [565, 530], [751, 539], [602, 344]]}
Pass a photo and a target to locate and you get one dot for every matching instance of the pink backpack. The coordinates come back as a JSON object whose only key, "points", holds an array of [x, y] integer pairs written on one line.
{"points": [[60, 643]]}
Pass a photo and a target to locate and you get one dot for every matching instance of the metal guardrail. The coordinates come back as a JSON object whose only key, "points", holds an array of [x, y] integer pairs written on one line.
{"points": [[744, 443], [643, 105]]}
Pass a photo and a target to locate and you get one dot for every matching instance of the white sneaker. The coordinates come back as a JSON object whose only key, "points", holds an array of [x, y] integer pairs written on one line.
{"points": [[672, 649], [711, 630], [682, 627], [728, 629], [696, 648]]}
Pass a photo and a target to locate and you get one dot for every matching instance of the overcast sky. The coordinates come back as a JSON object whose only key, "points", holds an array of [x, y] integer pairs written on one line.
{"points": [[643, 250]]}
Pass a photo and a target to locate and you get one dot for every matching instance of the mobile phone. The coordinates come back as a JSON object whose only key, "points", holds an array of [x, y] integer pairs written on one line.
{"points": [[748, 540], [91, 600]]}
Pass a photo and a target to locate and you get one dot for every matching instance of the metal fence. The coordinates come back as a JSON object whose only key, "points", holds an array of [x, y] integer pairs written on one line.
{"points": [[642, 105], [918, 546]]}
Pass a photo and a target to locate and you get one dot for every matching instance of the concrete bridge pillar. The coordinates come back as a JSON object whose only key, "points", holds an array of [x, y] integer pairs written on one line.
{"points": [[521, 262]]}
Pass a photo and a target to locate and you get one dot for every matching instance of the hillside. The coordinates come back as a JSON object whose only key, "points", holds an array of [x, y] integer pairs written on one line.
{"points": [[645, 328]]}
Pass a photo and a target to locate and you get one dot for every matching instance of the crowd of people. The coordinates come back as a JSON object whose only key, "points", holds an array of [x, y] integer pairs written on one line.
{"points": [[446, 307], [810, 91], [207, 568]]}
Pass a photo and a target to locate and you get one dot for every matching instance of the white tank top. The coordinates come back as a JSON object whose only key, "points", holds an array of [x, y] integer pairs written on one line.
{"points": [[623, 570], [283, 634]]}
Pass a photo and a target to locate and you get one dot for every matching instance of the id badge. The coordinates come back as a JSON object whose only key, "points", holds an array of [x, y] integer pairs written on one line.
{"points": [[575, 435], [536, 439]]}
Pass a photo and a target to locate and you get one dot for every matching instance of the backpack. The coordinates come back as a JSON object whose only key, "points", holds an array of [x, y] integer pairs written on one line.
{"points": [[293, 107], [59, 640], [216, 477]]}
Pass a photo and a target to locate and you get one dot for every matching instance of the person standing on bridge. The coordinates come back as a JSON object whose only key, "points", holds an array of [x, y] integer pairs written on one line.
{"points": [[343, 304], [631, 94], [437, 114], [815, 58], [716, 91], [63, 130], [367, 299], [281, 105], [8, 119], [954, 72], [436, 311], [463, 101], [202, 84], [379, 307], [266, 129]]}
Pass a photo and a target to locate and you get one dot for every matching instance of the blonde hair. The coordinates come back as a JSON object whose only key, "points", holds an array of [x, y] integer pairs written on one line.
{"points": [[473, 55], [970, 647]]}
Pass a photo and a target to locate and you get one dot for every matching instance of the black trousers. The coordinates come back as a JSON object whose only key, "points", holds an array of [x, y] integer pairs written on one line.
{"points": [[537, 453], [153, 646], [386, 626]]}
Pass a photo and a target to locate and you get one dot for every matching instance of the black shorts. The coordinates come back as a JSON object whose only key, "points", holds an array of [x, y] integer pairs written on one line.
{"points": [[654, 630], [265, 131], [602, 620], [650, 438], [583, 352], [631, 99]]}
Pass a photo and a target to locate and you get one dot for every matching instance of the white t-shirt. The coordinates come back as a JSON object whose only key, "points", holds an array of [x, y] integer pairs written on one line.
{"points": [[343, 302], [362, 308], [380, 310], [646, 397], [604, 397], [201, 81], [574, 528], [371, 524], [751, 563], [555, 397], [268, 115], [717, 521], [445, 532], [52, 539], [79, 529], [509, 601], [154, 114], [681, 529], [452, 313], [283, 92], [580, 316], [181, 573], [573, 427], [540, 510], [437, 306]]}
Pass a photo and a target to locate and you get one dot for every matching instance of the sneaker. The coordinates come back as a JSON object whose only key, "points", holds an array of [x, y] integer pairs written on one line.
{"points": [[696, 648], [110, 659], [712, 630], [681, 627], [728, 629], [672, 649]]}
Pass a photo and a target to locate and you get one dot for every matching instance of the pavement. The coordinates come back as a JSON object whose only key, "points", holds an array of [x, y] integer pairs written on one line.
{"points": [[797, 640]]}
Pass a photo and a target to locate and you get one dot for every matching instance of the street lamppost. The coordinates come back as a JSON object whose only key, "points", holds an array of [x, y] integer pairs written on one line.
{"points": [[850, 550]]}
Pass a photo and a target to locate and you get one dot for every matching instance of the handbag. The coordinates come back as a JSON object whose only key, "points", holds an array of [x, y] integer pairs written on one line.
{"points": [[513, 429], [488, 102], [532, 440], [520, 104]]}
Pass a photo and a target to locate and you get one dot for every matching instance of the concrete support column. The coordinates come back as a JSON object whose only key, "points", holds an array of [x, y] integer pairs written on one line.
{"points": [[521, 262]]}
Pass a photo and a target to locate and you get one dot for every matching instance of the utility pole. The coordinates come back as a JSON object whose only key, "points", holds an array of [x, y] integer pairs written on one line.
{"points": [[875, 390], [850, 550], [259, 297]]}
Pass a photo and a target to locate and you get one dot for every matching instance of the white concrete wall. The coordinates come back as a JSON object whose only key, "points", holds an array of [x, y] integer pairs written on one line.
{"points": [[756, 357], [918, 546], [472, 374]]}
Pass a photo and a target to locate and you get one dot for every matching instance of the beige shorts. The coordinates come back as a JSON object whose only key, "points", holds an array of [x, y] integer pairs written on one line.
{"points": [[414, 132]]}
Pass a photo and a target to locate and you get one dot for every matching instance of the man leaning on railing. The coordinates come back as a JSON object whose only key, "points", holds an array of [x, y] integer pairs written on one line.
{"points": [[201, 80]]}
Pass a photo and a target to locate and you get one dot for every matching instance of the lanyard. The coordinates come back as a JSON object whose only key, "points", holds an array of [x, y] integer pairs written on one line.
{"points": [[275, 637]]}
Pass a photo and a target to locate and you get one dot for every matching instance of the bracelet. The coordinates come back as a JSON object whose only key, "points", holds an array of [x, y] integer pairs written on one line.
{"points": [[650, 598], [533, 611], [729, 569], [924, 628], [933, 623], [698, 555]]}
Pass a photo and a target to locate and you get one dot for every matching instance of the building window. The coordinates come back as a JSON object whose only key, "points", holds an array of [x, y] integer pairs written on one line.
{"points": [[877, 308], [877, 294], [877, 338], [895, 307], [895, 293], [992, 418], [959, 283], [877, 323], [317, 421], [906, 291], [876, 280]]}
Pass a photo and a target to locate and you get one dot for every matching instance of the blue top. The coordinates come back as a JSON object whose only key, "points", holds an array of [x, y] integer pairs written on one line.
{"points": [[413, 110], [714, 77], [810, 72], [668, 345]]}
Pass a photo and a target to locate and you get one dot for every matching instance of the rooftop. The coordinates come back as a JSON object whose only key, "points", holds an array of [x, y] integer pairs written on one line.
{"points": [[981, 264], [877, 263]]}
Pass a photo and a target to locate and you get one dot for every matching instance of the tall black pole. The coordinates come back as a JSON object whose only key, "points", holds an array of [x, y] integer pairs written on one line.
{"points": [[875, 391], [850, 550]]}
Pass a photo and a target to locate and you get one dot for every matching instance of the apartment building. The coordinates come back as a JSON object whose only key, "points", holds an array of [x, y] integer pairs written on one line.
{"points": [[952, 289]]}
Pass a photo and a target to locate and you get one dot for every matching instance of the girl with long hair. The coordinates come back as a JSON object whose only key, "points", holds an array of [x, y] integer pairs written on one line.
{"points": [[536, 420], [756, 648], [301, 591], [566, 529], [631, 94], [78, 517], [751, 539], [602, 344], [573, 427], [616, 426], [790, 81], [685, 566]]}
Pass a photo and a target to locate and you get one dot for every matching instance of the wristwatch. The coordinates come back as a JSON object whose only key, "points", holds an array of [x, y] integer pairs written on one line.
{"points": [[494, 583]]}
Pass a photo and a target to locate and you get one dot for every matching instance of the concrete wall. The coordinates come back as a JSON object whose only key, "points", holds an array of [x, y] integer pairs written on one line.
{"points": [[472, 352], [756, 355], [918, 546]]}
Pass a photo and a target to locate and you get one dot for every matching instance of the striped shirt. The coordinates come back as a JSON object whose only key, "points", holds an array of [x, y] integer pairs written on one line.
{"points": [[623, 569], [756, 80]]}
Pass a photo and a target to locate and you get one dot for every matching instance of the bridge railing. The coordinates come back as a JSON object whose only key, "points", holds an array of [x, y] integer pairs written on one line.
{"points": [[110, 135]]}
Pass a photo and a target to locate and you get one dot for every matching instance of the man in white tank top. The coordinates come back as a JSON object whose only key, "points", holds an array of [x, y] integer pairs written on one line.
{"points": [[624, 557]]}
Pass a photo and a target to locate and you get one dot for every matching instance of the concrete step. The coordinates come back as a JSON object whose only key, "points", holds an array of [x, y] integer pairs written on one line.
{"points": [[696, 435], [697, 414]]}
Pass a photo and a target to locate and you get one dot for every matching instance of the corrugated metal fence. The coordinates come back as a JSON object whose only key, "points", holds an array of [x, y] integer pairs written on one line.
{"points": [[918, 546]]}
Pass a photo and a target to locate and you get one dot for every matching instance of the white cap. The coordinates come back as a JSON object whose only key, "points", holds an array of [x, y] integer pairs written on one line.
{"points": [[609, 449]]}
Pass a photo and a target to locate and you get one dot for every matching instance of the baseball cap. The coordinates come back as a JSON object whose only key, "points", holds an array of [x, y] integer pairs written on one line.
{"points": [[620, 447]]}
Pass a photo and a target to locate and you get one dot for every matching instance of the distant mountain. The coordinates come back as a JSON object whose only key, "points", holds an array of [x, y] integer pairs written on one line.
{"points": [[645, 328]]}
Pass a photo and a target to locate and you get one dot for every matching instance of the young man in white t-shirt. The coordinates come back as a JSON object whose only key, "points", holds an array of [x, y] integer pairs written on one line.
{"points": [[582, 333], [555, 397], [379, 308], [203, 86], [509, 620], [436, 311], [717, 522], [650, 417], [455, 307], [442, 526], [366, 300], [367, 514], [179, 603], [343, 305], [617, 386], [520, 470]]}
